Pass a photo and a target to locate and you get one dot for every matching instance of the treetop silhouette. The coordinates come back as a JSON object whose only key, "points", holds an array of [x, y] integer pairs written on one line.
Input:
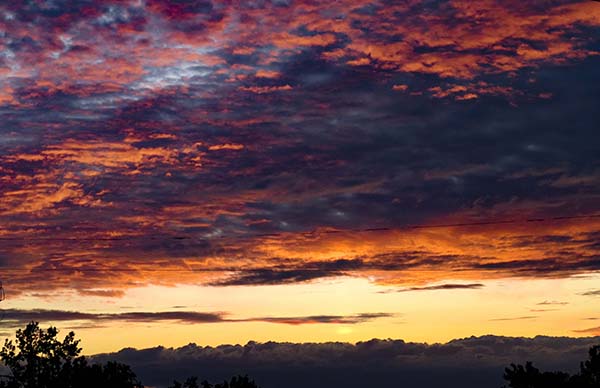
{"points": [[39, 360], [528, 376], [235, 382]]}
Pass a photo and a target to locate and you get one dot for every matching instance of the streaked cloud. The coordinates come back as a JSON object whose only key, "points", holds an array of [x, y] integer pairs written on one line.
{"points": [[591, 293], [17, 318], [526, 317], [448, 286], [592, 331]]}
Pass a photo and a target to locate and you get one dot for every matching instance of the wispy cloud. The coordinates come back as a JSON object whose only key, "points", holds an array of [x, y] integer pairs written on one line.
{"points": [[526, 317], [591, 293], [552, 303], [595, 331], [16, 317], [448, 286], [336, 319]]}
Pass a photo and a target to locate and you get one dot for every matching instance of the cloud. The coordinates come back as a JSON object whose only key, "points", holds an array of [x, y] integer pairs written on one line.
{"points": [[595, 331], [337, 319], [102, 293], [591, 293], [286, 142], [527, 317], [17, 317], [268, 276], [449, 286], [264, 89], [353, 365]]}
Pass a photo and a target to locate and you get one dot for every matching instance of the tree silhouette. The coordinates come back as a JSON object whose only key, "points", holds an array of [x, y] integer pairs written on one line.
{"points": [[235, 382], [238, 382], [39, 360], [589, 373], [112, 374], [528, 376], [191, 382]]}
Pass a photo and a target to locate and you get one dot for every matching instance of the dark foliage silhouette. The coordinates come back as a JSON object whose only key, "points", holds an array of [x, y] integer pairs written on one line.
{"points": [[39, 360], [235, 382], [528, 376]]}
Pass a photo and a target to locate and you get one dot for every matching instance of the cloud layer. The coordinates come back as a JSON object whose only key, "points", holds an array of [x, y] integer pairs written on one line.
{"points": [[278, 142], [16, 318], [466, 363]]}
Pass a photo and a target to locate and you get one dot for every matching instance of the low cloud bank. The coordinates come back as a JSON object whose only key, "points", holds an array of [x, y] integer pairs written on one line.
{"points": [[475, 362]]}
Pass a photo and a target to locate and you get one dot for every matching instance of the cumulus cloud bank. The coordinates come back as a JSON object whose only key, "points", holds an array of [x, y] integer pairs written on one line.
{"points": [[464, 363]]}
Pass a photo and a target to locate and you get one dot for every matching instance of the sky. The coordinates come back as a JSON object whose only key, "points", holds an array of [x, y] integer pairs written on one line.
{"points": [[220, 172]]}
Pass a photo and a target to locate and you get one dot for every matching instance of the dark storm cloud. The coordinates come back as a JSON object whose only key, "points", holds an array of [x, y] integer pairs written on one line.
{"points": [[375, 362]]}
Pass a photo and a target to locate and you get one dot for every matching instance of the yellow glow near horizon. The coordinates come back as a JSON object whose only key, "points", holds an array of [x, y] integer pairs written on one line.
{"points": [[502, 307]]}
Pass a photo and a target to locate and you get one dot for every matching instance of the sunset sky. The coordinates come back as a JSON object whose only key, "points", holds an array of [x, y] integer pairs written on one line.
{"points": [[303, 171]]}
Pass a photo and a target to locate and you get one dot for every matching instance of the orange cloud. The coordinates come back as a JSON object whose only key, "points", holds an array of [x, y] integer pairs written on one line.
{"points": [[264, 89], [227, 146], [42, 196], [267, 74]]}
